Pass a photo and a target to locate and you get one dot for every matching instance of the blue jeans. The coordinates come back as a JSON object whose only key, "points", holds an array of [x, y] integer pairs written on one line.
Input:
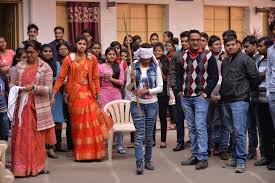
{"points": [[4, 126], [195, 110], [271, 101], [235, 115], [144, 123]]}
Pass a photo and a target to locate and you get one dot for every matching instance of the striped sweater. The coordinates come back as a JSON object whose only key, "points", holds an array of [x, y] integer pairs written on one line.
{"points": [[198, 73]]}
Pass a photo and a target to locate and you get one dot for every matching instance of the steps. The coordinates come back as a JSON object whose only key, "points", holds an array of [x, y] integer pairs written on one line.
{"points": [[6, 175]]}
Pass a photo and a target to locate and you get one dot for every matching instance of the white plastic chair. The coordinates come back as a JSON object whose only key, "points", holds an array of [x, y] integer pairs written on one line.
{"points": [[5, 175], [123, 122]]}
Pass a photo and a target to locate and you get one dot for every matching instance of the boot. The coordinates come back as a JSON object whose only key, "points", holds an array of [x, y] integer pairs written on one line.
{"points": [[139, 165], [148, 165]]}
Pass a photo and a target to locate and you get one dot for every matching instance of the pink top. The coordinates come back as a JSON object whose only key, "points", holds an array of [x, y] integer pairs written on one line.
{"points": [[7, 57], [106, 69]]}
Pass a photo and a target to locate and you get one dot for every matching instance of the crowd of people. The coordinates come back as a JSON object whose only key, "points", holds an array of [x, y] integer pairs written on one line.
{"points": [[223, 88]]}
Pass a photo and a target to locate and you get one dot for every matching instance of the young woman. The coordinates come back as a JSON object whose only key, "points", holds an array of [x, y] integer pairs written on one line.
{"points": [[63, 50], [170, 47], [57, 108], [163, 97], [89, 124], [96, 50], [35, 127], [127, 39], [147, 75], [112, 79], [154, 38], [117, 46]]}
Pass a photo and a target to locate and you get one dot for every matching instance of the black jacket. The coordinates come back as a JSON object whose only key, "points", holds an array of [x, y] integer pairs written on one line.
{"points": [[164, 65], [239, 77]]}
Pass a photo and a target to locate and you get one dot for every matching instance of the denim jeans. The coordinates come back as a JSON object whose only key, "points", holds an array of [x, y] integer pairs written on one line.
{"points": [[4, 126], [179, 121], [195, 110], [235, 115], [218, 131], [271, 101], [144, 123], [118, 140]]}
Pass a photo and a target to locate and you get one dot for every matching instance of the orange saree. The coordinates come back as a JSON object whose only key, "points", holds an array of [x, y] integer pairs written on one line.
{"points": [[88, 123]]}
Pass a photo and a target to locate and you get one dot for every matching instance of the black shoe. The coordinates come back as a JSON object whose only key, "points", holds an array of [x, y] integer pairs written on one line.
{"points": [[251, 156], [149, 166], [179, 147], [139, 170], [271, 166], [224, 156], [262, 162], [191, 161], [202, 164]]}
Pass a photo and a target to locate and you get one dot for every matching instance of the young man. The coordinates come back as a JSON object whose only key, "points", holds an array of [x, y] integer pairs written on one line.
{"points": [[270, 83], [176, 59], [196, 76], [204, 40], [6, 55], [59, 37], [218, 132], [262, 108], [32, 33], [184, 40], [239, 77], [250, 48], [88, 33]]}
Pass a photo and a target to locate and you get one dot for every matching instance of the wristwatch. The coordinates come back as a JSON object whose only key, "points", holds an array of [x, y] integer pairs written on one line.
{"points": [[204, 95]]}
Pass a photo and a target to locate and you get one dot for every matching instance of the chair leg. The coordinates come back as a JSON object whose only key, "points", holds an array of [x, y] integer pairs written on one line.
{"points": [[110, 145]]}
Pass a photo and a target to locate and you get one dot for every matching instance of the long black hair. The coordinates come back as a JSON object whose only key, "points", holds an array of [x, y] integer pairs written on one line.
{"points": [[115, 66], [18, 53], [51, 62]]}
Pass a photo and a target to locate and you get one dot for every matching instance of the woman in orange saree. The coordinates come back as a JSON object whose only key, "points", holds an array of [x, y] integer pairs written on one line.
{"points": [[35, 129], [89, 124]]}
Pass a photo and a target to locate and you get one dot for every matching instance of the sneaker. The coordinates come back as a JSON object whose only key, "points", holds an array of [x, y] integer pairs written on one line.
{"points": [[240, 168], [262, 162], [202, 164], [230, 164]]}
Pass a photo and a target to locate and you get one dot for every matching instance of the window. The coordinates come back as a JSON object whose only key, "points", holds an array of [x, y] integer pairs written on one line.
{"points": [[218, 19], [140, 19]]}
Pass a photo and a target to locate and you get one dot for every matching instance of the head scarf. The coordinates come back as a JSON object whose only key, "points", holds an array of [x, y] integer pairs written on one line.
{"points": [[145, 53]]}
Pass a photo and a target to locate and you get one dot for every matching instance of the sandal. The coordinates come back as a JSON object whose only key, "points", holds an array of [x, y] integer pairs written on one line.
{"points": [[44, 172]]}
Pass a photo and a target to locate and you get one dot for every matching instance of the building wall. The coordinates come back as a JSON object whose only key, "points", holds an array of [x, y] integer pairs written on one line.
{"points": [[181, 15]]}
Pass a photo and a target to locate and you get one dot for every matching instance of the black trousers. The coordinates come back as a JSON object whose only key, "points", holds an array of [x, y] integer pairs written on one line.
{"points": [[267, 129], [163, 105]]}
